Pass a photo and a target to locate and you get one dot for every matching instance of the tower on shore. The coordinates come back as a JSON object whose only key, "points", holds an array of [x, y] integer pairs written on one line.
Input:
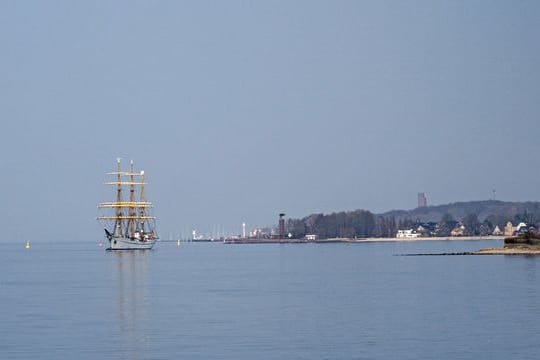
{"points": [[281, 226], [422, 202]]}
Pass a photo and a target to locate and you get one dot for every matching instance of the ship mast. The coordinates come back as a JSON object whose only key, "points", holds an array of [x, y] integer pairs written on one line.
{"points": [[142, 201], [132, 201], [118, 222]]}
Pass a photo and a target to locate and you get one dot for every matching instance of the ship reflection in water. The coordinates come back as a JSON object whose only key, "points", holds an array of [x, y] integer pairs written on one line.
{"points": [[132, 303]]}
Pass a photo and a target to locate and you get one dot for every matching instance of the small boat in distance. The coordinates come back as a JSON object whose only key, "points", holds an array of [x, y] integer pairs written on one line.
{"points": [[130, 226]]}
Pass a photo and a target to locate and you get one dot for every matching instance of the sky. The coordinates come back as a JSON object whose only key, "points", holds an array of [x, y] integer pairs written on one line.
{"points": [[240, 110]]}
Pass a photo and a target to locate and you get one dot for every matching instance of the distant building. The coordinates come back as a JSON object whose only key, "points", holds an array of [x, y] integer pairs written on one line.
{"points": [[260, 233], [497, 231], [509, 229], [409, 233], [458, 231], [196, 236], [422, 202], [426, 229]]}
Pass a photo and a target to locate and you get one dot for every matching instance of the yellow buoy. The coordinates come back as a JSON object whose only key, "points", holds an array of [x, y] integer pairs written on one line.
{"points": [[27, 245]]}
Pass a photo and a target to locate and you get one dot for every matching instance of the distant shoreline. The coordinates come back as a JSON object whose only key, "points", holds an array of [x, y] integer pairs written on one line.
{"points": [[359, 240], [435, 238]]}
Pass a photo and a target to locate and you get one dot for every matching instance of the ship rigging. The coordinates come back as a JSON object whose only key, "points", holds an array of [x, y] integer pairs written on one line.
{"points": [[129, 224]]}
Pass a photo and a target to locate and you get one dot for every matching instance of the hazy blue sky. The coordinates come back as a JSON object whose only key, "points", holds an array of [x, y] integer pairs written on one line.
{"points": [[239, 110]]}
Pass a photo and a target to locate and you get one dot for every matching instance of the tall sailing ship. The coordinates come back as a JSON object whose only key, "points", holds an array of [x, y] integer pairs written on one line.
{"points": [[129, 224]]}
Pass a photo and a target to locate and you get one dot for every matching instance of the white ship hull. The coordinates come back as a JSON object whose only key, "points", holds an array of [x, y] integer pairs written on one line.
{"points": [[128, 244]]}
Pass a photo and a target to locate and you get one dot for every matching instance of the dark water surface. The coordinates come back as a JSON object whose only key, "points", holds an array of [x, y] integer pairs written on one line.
{"points": [[215, 301]]}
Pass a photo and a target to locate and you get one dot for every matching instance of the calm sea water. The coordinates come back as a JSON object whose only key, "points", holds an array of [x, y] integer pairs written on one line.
{"points": [[215, 301]]}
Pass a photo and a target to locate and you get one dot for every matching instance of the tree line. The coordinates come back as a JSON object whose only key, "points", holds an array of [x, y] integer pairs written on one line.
{"points": [[363, 223]]}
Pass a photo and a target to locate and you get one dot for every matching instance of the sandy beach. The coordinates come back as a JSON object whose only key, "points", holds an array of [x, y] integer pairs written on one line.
{"points": [[515, 250], [360, 240], [444, 238]]}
